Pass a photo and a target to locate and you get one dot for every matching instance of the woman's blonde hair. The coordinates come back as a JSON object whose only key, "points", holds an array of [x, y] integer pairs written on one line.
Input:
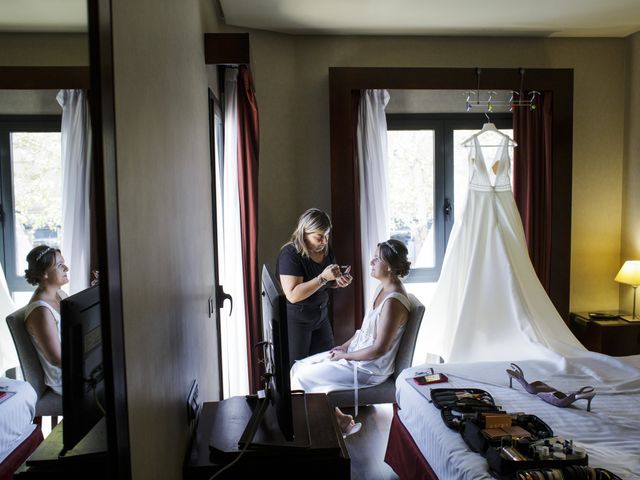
{"points": [[313, 220]]}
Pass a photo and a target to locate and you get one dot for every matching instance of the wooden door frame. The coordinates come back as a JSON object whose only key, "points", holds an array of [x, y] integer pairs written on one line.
{"points": [[104, 151]]}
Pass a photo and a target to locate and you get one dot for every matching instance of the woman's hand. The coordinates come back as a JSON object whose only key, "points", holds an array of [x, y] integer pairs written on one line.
{"points": [[332, 272], [344, 280], [336, 354]]}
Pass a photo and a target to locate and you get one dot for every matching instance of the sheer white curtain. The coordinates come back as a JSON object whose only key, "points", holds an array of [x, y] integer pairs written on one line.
{"points": [[233, 328], [372, 169], [76, 186], [8, 356]]}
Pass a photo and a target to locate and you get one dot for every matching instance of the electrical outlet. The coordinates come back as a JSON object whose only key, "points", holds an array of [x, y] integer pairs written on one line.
{"points": [[193, 403]]}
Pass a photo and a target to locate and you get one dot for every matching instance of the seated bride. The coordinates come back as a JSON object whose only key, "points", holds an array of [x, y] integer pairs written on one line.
{"points": [[372, 349]]}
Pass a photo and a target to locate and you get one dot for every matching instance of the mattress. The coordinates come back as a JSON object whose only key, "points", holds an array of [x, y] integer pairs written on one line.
{"points": [[16, 414], [610, 433]]}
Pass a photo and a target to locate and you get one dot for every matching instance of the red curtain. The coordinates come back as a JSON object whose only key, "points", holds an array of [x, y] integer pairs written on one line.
{"points": [[358, 288], [248, 147], [532, 180]]}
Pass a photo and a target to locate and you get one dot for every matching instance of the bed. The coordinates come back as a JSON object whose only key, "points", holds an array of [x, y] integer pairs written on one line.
{"points": [[420, 445], [18, 435]]}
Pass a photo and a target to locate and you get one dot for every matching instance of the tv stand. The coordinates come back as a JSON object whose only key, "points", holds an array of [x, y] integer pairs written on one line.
{"points": [[263, 430], [221, 425]]}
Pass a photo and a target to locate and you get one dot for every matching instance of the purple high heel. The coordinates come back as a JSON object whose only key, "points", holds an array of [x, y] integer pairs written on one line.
{"points": [[560, 399], [533, 387]]}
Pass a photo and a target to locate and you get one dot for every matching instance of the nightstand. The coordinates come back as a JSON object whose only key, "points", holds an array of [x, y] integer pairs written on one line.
{"points": [[614, 337]]}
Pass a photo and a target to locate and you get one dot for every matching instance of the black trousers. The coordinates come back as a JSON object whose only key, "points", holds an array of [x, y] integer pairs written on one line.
{"points": [[309, 331]]}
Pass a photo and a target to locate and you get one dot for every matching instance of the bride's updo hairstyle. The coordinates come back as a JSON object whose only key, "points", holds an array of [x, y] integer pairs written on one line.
{"points": [[395, 253], [39, 260]]}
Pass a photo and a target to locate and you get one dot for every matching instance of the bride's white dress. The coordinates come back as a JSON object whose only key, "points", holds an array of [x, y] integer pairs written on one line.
{"points": [[489, 304]]}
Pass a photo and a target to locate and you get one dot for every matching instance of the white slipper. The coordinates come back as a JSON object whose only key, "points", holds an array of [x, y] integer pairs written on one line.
{"points": [[355, 428]]}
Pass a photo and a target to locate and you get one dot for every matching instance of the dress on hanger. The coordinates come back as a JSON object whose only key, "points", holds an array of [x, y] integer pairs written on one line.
{"points": [[488, 304]]}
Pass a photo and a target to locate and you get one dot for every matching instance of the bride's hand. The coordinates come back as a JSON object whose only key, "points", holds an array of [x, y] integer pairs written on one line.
{"points": [[337, 355]]}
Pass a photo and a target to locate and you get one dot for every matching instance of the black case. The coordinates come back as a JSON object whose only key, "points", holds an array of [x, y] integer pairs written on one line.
{"points": [[473, 437], [460, 409], [506, 469], [456, 405]]}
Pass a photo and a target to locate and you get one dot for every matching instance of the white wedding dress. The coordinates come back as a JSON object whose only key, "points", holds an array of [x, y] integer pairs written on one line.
{"points": [[488, 304]]}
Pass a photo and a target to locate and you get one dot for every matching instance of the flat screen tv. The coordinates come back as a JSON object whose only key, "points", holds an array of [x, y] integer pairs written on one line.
{"points": [[82, 377], [271, 423], [276, 351]]}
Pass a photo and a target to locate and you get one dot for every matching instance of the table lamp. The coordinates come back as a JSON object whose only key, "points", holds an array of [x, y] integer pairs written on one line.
{"points": [[630, 274]]}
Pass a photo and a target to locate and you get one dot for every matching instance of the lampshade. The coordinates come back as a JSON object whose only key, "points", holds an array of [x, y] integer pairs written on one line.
{"points": [[629, 273]]}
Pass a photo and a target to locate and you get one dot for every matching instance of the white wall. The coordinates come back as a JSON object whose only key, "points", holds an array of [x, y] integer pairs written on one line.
{"points": [[29, 102]]}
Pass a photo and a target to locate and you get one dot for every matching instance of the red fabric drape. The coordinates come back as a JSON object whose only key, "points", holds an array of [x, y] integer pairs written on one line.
{"points": [[248, 147], [532, 180], [358, 289], [403, 455]]}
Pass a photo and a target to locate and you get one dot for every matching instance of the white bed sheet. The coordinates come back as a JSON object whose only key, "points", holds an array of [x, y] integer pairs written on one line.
{"points": [[16, 414], [610, 432]]}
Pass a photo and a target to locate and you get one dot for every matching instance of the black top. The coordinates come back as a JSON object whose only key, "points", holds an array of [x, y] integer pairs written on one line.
{"points": [[290, 262]]}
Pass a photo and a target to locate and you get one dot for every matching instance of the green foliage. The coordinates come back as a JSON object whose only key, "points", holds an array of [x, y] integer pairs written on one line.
{"points": [[37, 179]]}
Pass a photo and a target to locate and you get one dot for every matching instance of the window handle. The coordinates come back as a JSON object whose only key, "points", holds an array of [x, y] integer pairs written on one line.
{"points": [[221, 296], [447, 207]]}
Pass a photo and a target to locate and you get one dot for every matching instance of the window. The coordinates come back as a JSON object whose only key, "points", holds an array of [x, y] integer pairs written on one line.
{"points": [[31, 191], [428, 175]]}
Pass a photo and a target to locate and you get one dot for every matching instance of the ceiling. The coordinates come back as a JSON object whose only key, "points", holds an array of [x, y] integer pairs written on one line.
{"points": [[539, 18], [55, 16]]}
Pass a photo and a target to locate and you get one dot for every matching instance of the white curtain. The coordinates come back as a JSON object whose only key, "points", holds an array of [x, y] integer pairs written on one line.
{"points": [[233, 328], [372, 169], [76, 181], [8, 356]]}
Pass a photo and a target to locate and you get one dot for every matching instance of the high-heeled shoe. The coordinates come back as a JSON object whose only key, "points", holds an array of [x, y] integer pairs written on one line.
{"points": [[560, 399], [533, 387], [354, 427], [346, 423]]}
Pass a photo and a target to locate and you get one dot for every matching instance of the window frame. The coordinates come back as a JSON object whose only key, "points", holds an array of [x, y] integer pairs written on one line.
{"points": [[15, 123], [443, 125]]}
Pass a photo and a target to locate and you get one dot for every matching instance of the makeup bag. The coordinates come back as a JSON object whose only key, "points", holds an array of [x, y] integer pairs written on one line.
{"points": [[456, 405], [567, 473], [512, 443]]}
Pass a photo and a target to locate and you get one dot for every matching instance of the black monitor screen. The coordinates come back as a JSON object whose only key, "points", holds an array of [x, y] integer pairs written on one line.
{"points": [[276, 350], [82, 383]]}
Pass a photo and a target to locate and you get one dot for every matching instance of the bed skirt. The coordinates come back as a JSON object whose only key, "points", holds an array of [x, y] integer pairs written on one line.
{"points": [[403, 455], [20, 454]]}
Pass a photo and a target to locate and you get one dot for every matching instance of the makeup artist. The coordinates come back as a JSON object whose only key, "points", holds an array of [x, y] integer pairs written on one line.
{"points": [[307, 268]]}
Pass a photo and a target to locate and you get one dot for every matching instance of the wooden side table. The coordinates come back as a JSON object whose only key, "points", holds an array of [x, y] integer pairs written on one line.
{"points": [[614, 337]]}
